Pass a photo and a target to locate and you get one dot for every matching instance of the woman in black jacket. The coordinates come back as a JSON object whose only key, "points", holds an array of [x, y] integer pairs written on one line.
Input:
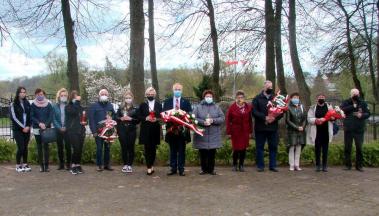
{"points": [[75, 125], [127, 121], [20, 117]]}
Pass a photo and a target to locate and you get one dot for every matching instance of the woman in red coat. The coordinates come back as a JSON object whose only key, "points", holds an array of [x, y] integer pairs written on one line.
{"points": [[239, 129]]}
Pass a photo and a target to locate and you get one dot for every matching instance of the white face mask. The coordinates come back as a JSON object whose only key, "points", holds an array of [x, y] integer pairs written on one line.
{"points": [[103, 98], [128, 100], [63, 99]]}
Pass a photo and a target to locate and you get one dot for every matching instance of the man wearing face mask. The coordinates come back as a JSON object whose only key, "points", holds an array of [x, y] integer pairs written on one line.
{"points": [[266, 127], [320, 132], [177, 139], [60, 126], [356, 111], [97, 113]]}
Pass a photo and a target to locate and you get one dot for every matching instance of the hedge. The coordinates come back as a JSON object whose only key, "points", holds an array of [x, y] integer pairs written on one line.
{"points": [[223, 156]]}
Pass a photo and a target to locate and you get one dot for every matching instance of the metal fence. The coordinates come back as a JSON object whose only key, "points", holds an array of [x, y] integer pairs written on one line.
{"points": [[370, 135]]}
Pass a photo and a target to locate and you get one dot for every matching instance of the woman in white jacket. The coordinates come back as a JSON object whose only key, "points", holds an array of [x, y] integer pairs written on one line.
{"points": [[320, 132]]}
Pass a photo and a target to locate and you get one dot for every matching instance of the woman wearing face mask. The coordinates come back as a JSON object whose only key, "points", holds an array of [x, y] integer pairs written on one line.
{"points": [[320, 132], [127, 121], [150, 133], [296, 118], [42, 116], [210, 116], [76, 130], [239, 128], [20, 117], [60, 125]]}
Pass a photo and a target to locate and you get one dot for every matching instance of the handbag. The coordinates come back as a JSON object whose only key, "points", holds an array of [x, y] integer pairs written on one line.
{"points": [[49, 135]]}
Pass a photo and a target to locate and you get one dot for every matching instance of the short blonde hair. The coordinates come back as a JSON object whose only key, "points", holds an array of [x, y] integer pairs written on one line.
{"points": [[177, 84], [59, 93], [150, 89]]}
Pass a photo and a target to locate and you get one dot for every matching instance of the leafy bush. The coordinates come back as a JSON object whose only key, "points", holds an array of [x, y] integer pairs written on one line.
{"points": [[223, 155]]}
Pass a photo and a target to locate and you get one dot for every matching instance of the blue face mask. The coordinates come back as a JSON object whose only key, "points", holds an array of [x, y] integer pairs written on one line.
{"points": [[295, 101], [40, 98], [209, 100], [177, 93]]}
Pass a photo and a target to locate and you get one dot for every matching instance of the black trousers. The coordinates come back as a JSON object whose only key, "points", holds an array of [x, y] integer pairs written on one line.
{"points": [[177, 153], [22, 141], [76, 140], [349, 136], [127, 142], [43, 151], [322, 145], [239, 155], [207, 160], [63, 144], [150, 154]]}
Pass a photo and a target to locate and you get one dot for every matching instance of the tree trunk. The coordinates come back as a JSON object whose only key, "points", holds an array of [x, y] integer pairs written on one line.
{"points": [[270, 42], [153, 60], [72, 61], [299, 75], [353, 69], [137, 43], [278, 47], [377, 56], [216, 60]]}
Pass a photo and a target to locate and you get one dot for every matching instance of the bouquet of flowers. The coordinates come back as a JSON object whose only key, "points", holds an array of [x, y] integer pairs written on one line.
{"points": [[177, 120], [336, 113], [278, 105], [107, 129]]}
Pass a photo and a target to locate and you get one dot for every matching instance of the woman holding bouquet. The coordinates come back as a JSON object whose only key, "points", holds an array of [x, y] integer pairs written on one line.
{"points": [[76, 131], [239, 128], [320, 132], [210, 116], [296, 118], [150, 132], [127, 121]]}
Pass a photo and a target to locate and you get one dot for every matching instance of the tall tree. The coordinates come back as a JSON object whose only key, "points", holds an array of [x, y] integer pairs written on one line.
{"points": [[377, 52], [216, 59], [153, 60], [270, 42], [299, 75], [278, 47], [350, 48], [72, 59], [137, 44]]}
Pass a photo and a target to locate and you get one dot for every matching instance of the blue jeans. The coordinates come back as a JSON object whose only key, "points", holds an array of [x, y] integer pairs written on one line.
{"points": [[272, 138], [99, 152]]}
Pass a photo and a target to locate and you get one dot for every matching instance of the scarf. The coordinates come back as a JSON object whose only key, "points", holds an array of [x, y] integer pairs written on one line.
{"points": [[41, 104]]}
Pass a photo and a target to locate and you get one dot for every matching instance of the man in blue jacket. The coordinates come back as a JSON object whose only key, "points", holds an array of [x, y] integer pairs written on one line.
{"points": [[266, 127], [97, 113], [177, 139]]}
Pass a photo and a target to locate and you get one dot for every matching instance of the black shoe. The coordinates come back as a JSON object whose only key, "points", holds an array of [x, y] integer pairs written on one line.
{"points": [[241, 168], [202, 172], [260, 169], [213, 173], [42, 168], [108, 168], [171, 173], [182, 173], [325, 169], [79, 169], [274, 170], [347, 168], [360, 169], [318, 168], [47, 168], [234, 168], [60, 167], [74, 171]]}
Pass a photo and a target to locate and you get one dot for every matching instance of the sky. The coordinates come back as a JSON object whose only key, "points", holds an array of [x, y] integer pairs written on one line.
{"points": [[24, 54]]}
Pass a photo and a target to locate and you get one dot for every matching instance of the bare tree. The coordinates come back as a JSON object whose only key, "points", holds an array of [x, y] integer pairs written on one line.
{"points": [[270, 42], [299, 75], [377, 52], [137, 44], [278, 47], [153, 60]]}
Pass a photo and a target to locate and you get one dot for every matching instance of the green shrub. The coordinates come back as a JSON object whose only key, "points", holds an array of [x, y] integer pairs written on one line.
{"points": [[223, 156]]}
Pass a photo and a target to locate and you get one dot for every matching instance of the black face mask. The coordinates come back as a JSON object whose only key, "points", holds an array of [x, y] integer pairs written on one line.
{"points": [[150, 98], [321, 101], [269, 91], [355, 97]]}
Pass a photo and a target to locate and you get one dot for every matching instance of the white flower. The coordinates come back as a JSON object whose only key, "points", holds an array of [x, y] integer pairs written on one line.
{"points": [[188, 116], [196, 122], [193, 115]]}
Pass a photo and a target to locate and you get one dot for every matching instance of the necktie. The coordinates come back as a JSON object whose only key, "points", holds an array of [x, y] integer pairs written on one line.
{"points": [[177, 104]]}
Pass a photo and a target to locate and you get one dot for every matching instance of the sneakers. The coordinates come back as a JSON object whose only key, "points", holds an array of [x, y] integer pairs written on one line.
{"points": [[74, 171], [124, 169], [19, 169], [26, 168], [129, 169], [79, 169]]}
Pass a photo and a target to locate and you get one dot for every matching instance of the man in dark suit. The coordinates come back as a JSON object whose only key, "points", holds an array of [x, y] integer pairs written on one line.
{"points": [[177, 138]]}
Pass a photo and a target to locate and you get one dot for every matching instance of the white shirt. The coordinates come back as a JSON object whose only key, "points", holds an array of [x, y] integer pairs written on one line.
{"points": [[151, 105]]}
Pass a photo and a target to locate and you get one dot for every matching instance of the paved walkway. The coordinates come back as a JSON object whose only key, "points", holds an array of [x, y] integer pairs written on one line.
{"points": [[337, 192]]}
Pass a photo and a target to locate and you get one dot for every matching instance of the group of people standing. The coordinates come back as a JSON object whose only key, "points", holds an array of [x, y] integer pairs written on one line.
{"points": [[242, 119]]}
